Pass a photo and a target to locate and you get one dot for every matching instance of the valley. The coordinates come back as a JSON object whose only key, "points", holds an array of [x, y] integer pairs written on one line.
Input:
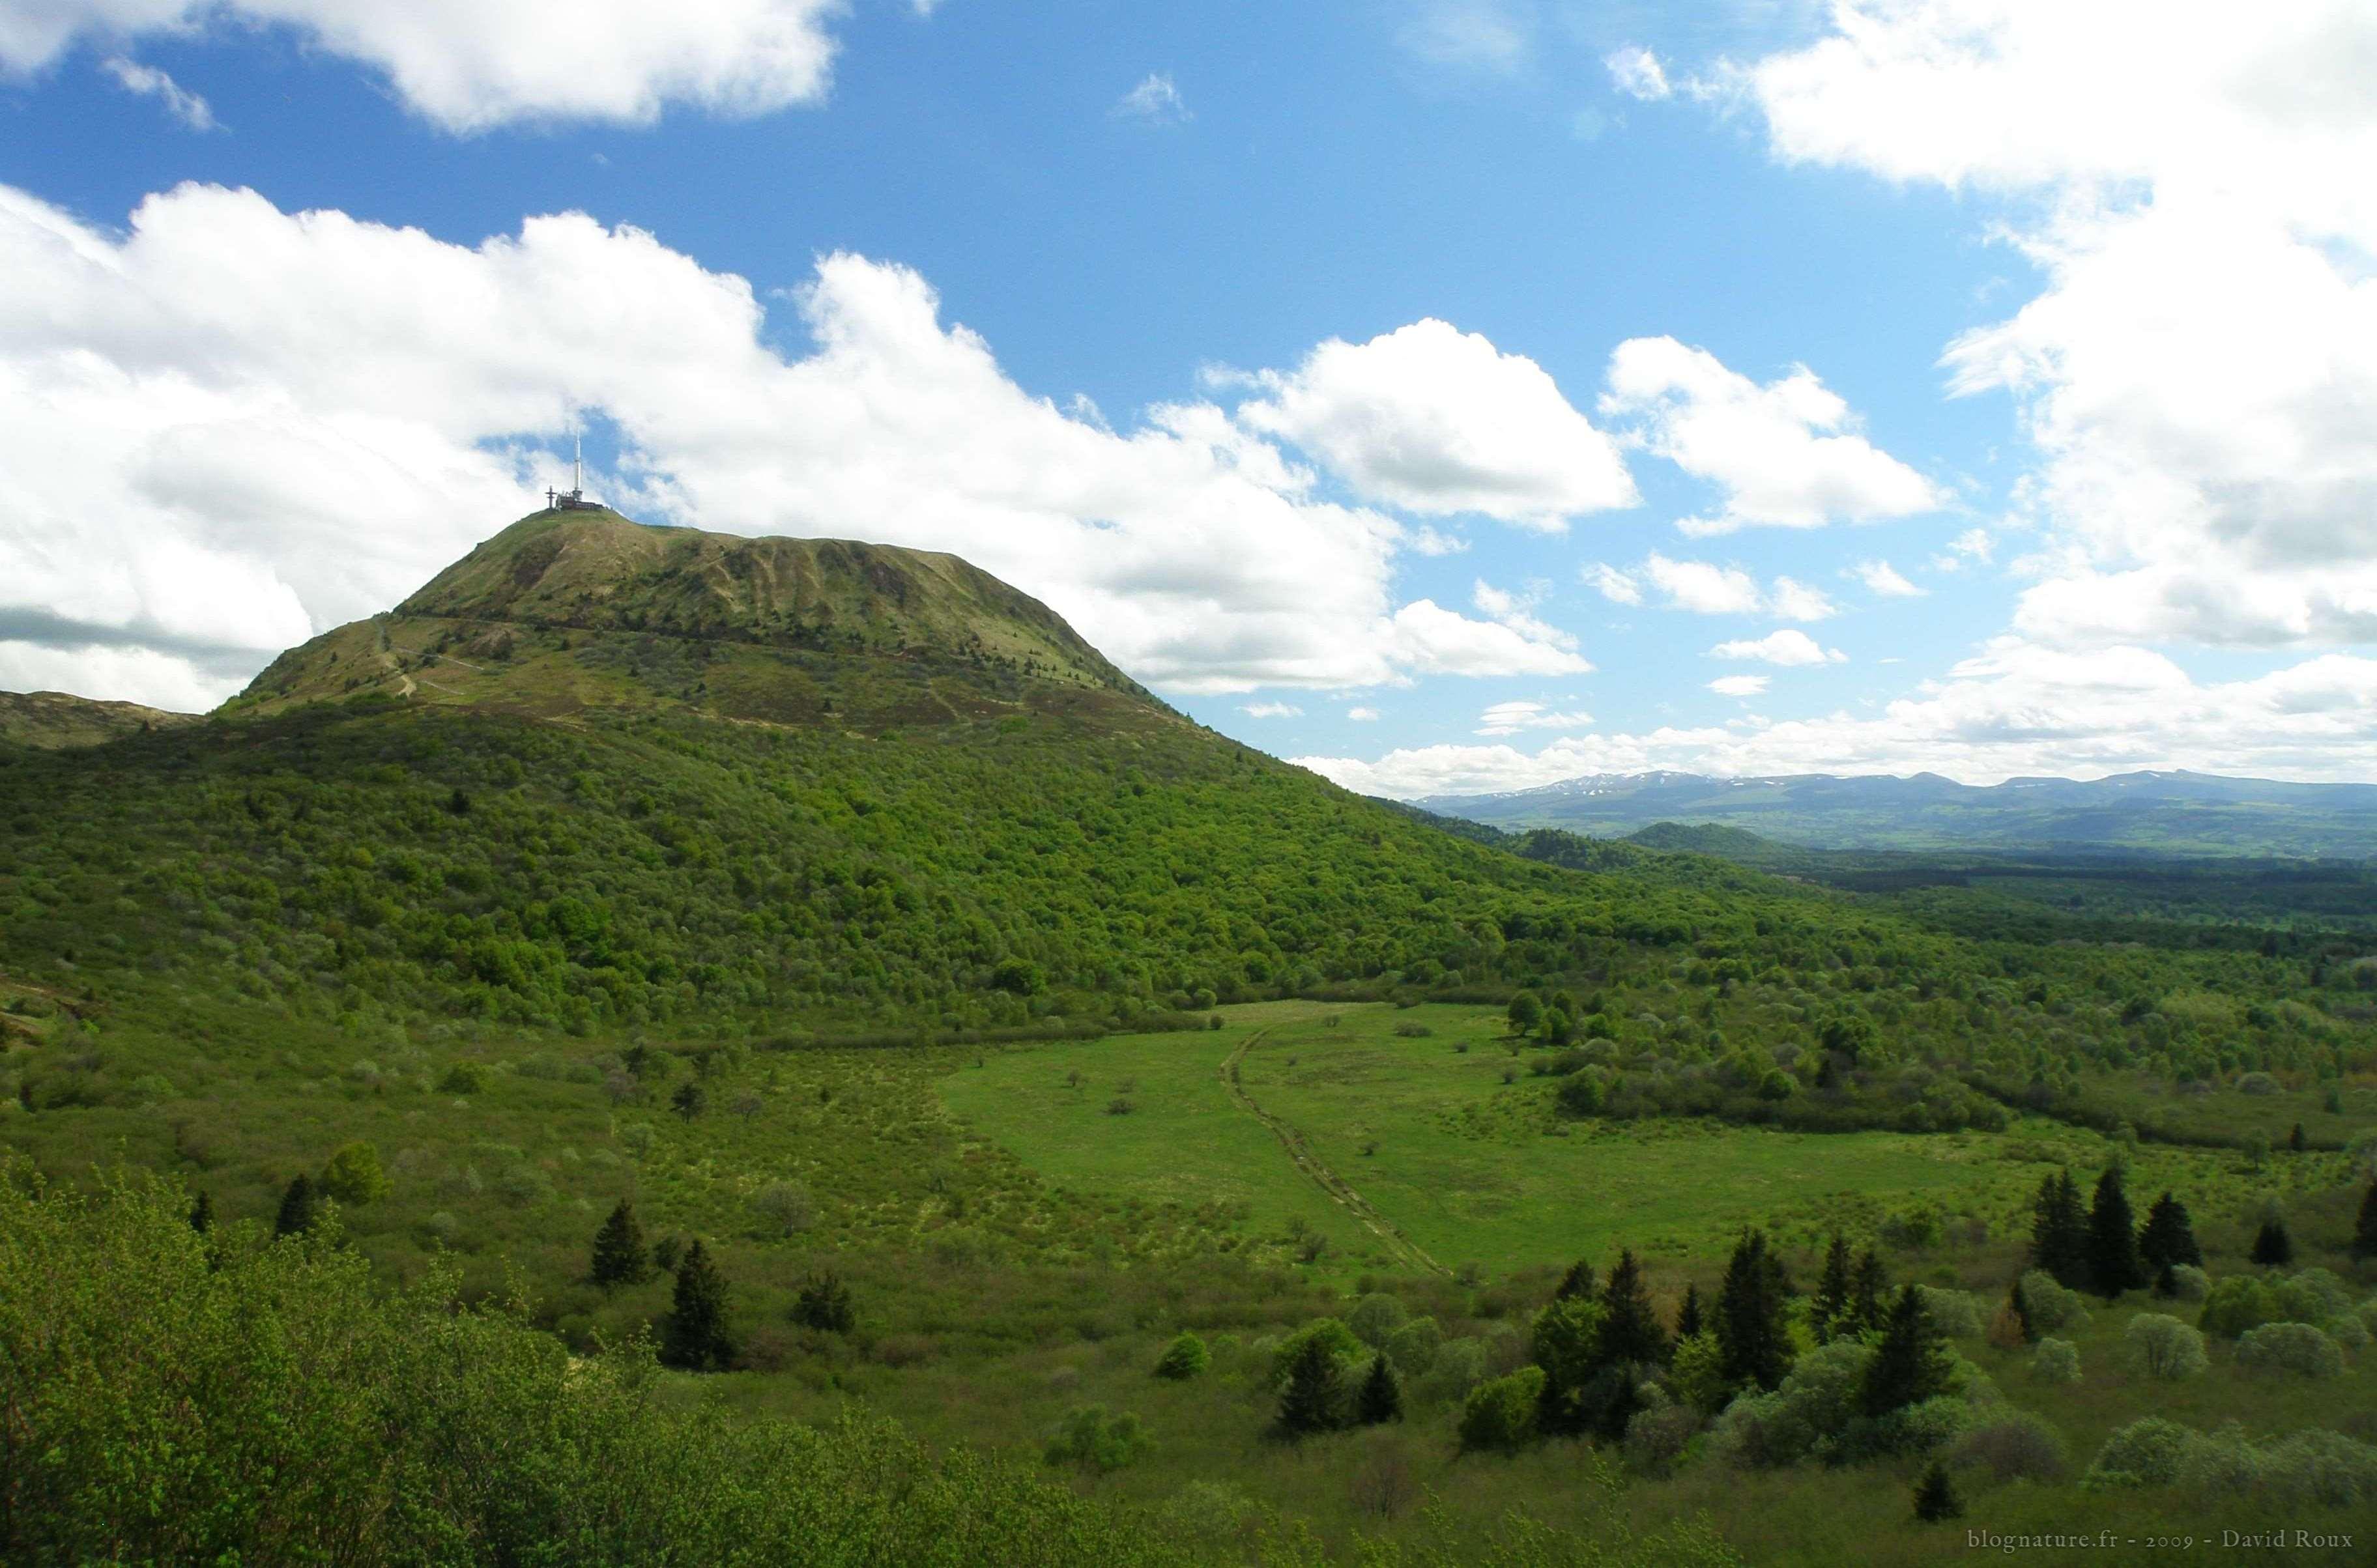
{"points": [[1003, 1055]]}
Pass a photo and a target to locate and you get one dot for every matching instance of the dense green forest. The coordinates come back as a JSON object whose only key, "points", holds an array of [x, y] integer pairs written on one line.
{"points": [[813, 967]]}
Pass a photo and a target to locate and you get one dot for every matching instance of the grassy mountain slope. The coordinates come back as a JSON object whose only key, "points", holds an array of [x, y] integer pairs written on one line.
{"points": [[56, 721], [597, 773]]}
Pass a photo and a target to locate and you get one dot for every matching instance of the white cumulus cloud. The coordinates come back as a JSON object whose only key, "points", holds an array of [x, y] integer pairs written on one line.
{"points": [[1271, 711], [1786, 455], [1509, 718], [2191, 178], [1435, 421], [1785, 647], [1636, 72], [1740, 685], [1155, 101], [469, 65], [230, 427], [149, 82], [1703, 588], [2015, 708], [1880, 577]]}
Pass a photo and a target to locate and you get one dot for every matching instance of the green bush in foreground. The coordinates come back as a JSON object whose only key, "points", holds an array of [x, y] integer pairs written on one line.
{"points": [[1183, 1359], [278, 1408]]}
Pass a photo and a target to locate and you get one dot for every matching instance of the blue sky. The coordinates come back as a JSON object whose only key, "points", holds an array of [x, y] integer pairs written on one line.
{"points": [[1151, 222]]}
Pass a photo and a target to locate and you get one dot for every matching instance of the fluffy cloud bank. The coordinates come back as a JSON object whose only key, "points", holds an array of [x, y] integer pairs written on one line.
{"points": [[1785, 454], [2015, 708], [1438, 420], [2197, 374], [469, 65], [233, 426]]}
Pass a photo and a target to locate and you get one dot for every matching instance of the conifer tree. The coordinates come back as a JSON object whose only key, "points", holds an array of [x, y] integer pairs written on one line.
{"points": [[1688, 1316], [620, 1256], [1752, 1341], [202, 1214], [1577, 1281], [1630, 1330], [1828, 1313], [1935, 1496], [824, 1304], [1866, 1289], [2296, 1141], [1380, 1398], [1314, 1399], [2059, 1231], [1911, 1363], [2273, 1247], [2364, 1230], [2113, 1262], [694, 1335], [2019, 1309], [2168, 1238], [300, 1207]]}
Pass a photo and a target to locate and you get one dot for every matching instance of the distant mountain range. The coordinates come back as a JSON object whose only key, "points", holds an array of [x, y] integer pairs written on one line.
{"points": [[2158, 813]]}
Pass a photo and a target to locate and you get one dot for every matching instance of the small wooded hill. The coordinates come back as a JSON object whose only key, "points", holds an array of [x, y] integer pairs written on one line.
{"points": [[599, 772], [53, 720]]}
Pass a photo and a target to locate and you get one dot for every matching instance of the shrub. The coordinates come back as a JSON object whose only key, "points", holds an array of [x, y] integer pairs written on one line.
{"points": [[2237, 1304], [1804, 1415], [1697, 1373], [2047, 1306], [1374, 1319], [2348, 1331], [2162, 1346], [1578, 1095], [1657, 1438], [463, 1078], [1458, 1366], [2145, 1453], [2290, 1347], [785, 1208], [1342, 1341], [2190, 1283], [1956, 1313], [1183, 1359], [2312, 1295], [354, 1174], [2016, 1447], [823, 1304], [1095, 1442], [1414, 1346], [1501, 1415], [2055, 1360]]}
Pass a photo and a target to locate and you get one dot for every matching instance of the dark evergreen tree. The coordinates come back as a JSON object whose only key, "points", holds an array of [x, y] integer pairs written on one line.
{"points": [[2059, 1231], [2165, 1285], [694, 1335], [1754, 1343], [1688, 1316], [1577, 1281], [690, 1100], [1935, 1496], [1910, 1363], [2364, 1230], [2113, 1262], [202, 1214], [1631, 1333], [301, 1206], [620, 1256], [2020, 1310], [2168, 1237], [1869, 1291], [1314, 1399], [2296, 1141], [1828, 1313], [1381, 1397], [2273, 1247], [824, 1304]]}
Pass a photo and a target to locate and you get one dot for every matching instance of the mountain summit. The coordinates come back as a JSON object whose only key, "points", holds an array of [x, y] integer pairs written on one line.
{"points": [[579, 608]]}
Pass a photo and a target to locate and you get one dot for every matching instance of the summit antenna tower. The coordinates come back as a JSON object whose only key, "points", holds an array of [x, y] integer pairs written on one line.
{"points": [[574, 498]]}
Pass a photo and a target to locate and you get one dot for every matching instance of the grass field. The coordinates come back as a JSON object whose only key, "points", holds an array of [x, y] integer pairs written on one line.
{"points": [[1478, 1170]]}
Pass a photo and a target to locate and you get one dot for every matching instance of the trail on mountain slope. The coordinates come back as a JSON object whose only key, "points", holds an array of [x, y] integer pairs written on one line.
{"points": [[1300, 1153]]}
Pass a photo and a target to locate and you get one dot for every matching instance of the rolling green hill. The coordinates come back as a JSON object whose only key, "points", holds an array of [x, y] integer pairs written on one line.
{"points": [[55, 721], [598, 773]]}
